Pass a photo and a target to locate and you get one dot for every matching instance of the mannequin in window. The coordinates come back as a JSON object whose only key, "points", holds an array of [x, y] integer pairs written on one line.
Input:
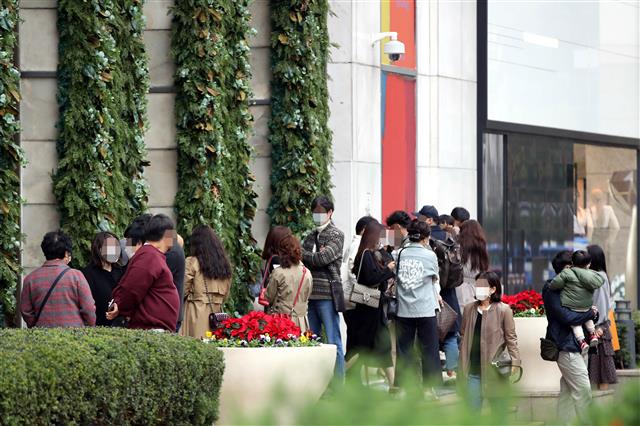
{"points": [[583, 222], [605, 221]]}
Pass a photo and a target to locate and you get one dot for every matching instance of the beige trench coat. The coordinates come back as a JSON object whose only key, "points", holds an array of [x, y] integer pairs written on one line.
{"points": [[281, 292], [498, 328], [196, 301]]}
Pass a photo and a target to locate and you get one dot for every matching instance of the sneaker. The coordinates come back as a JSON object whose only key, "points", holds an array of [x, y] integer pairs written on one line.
{"points": [[584, 347], [593, 340]]}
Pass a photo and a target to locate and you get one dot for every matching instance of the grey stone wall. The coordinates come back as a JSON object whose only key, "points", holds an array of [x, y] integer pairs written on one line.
{"points": [[39, 113]]}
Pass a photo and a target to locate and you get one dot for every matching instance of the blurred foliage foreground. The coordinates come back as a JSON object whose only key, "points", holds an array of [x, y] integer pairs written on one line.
{"points": [[354, 404]]}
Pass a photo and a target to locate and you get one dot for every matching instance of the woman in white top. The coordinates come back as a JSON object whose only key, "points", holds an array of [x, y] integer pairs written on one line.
{"points": [[475, 258]]}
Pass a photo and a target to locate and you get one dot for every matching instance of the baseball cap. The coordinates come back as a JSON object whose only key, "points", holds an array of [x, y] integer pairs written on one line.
{"points": [[428, 211]]}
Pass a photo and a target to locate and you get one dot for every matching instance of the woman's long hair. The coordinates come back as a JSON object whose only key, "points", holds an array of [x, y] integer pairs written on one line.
{"points": [[271, 243], [289, 251], [208, 249], [473, 245], [598, 260], [98, 242], [370, 241]]}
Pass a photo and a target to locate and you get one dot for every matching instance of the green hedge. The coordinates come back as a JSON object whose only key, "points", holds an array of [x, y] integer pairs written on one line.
{"points": [[300, 136], [213, 83], [107, 376], [102, 84], [11, 158]]}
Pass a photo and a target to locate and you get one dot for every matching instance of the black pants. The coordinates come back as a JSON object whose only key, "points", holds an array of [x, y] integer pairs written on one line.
{"points": [[427, 331]]}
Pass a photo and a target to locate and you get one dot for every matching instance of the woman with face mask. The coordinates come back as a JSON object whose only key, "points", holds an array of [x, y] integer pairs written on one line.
{"points": [[487, 329], [103, 272], [372, 267]]}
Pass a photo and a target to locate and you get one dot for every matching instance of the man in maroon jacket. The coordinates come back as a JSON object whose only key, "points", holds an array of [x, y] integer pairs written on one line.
{"points": [[146, 293]]}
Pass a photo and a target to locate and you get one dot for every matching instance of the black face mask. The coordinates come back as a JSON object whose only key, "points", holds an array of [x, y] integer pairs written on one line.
{"points": [[124, 257]]}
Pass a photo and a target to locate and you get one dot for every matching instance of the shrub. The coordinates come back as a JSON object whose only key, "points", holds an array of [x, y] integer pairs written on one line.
{"points": [[299, 133], [213, 88], [103, 78], [107, 376], [11, 158]]}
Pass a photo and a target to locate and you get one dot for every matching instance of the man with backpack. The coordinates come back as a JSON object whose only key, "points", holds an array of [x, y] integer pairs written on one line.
{"points": [[450, 266]]}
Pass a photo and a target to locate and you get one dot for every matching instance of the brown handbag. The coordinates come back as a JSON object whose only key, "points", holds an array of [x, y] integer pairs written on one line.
{"points": [[446, 318]]}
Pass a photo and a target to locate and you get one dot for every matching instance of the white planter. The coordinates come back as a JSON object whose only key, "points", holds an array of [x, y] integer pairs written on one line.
{"points": [[253, 376], [537, 374]]}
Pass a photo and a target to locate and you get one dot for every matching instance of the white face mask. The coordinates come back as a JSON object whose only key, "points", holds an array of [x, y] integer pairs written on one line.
{"points": [[111, 252], [482, 293], [320, 218]]}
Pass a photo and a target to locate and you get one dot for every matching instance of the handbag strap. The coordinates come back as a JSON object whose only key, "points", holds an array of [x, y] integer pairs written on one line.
{"points": [[304, 273], [266, 271], [206, 290], [360, 266], [46, 297]]}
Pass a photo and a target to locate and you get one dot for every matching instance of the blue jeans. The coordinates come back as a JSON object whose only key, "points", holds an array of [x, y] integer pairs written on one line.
{"points": [[475, 391], [322, 313], [451, 352]]}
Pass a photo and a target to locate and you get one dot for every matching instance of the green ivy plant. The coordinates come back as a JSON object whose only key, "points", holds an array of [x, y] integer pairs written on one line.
{"points": [[103, 78], [211, 50], [11, 159], [299, 134]]}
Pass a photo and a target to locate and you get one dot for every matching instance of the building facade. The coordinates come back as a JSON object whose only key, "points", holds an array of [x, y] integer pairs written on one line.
{"points": [[530, 123]]}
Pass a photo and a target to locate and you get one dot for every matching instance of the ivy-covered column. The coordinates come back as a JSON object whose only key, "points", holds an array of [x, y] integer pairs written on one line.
{"points": [[102, 81], [209, 44], [11, 159], [300, 137]]}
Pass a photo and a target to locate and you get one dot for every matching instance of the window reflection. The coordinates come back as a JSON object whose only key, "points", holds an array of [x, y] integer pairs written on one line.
{"points": [[605, 196]]}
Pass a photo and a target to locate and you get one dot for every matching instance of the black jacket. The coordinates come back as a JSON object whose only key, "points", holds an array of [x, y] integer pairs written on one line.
{"points": [[438, 233], [561, 319], [176, 264], [102, 284]]}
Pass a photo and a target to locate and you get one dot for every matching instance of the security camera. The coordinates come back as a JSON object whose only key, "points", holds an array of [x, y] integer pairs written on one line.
{"points": [[394, 49]]}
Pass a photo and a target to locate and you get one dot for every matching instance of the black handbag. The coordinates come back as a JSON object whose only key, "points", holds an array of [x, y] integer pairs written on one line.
{"points": [[548, 350]]}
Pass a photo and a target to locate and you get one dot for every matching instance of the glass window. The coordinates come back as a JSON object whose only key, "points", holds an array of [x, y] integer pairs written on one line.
{"points": [[565, 64], [605, 196], [564, 195], [493, 200]]}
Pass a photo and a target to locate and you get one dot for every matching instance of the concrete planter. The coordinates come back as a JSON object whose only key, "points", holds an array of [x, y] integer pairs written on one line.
{"points": [[253, 376], [537, 374]]}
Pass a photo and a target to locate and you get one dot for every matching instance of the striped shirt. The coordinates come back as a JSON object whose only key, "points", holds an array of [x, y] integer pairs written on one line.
{"points": [[70, 303]]}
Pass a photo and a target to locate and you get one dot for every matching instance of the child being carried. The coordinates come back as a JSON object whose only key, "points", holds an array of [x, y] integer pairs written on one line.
{"points": [[577, 285]]}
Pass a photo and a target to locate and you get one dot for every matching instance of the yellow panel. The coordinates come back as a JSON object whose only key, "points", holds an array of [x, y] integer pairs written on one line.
{"points": [[385, 25]]}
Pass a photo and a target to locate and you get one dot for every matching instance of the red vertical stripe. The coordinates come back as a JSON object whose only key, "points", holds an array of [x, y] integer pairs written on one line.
{"points": [[399, 145]]}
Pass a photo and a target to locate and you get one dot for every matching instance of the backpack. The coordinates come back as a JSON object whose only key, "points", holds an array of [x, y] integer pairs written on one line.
{"points": [[449, 262]]}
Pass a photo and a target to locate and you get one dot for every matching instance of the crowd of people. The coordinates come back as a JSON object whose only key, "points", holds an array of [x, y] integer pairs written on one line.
{"points": [[413, 281]]}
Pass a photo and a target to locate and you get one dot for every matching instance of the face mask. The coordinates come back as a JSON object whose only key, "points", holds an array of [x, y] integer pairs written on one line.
{"points": [[111, 251], [482, 293], [320, 218]]}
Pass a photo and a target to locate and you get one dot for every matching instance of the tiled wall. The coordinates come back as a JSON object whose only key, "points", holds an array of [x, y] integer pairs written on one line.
{"points": [[39, 114]]}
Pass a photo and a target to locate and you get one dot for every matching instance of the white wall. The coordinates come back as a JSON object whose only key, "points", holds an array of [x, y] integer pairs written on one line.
{"points": [[354, 89], [446, 98]]}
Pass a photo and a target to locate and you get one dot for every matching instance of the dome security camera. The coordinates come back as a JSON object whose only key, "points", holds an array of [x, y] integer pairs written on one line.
{"points": [[394, 49]]}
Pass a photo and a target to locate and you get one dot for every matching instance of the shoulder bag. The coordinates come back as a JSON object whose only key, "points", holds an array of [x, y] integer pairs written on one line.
{"points": [[503, 364], [295, 300], [446, 318], [215, 318], [391, 295], [548, 350], [363, 294], [46, 297], [262, 298]]}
